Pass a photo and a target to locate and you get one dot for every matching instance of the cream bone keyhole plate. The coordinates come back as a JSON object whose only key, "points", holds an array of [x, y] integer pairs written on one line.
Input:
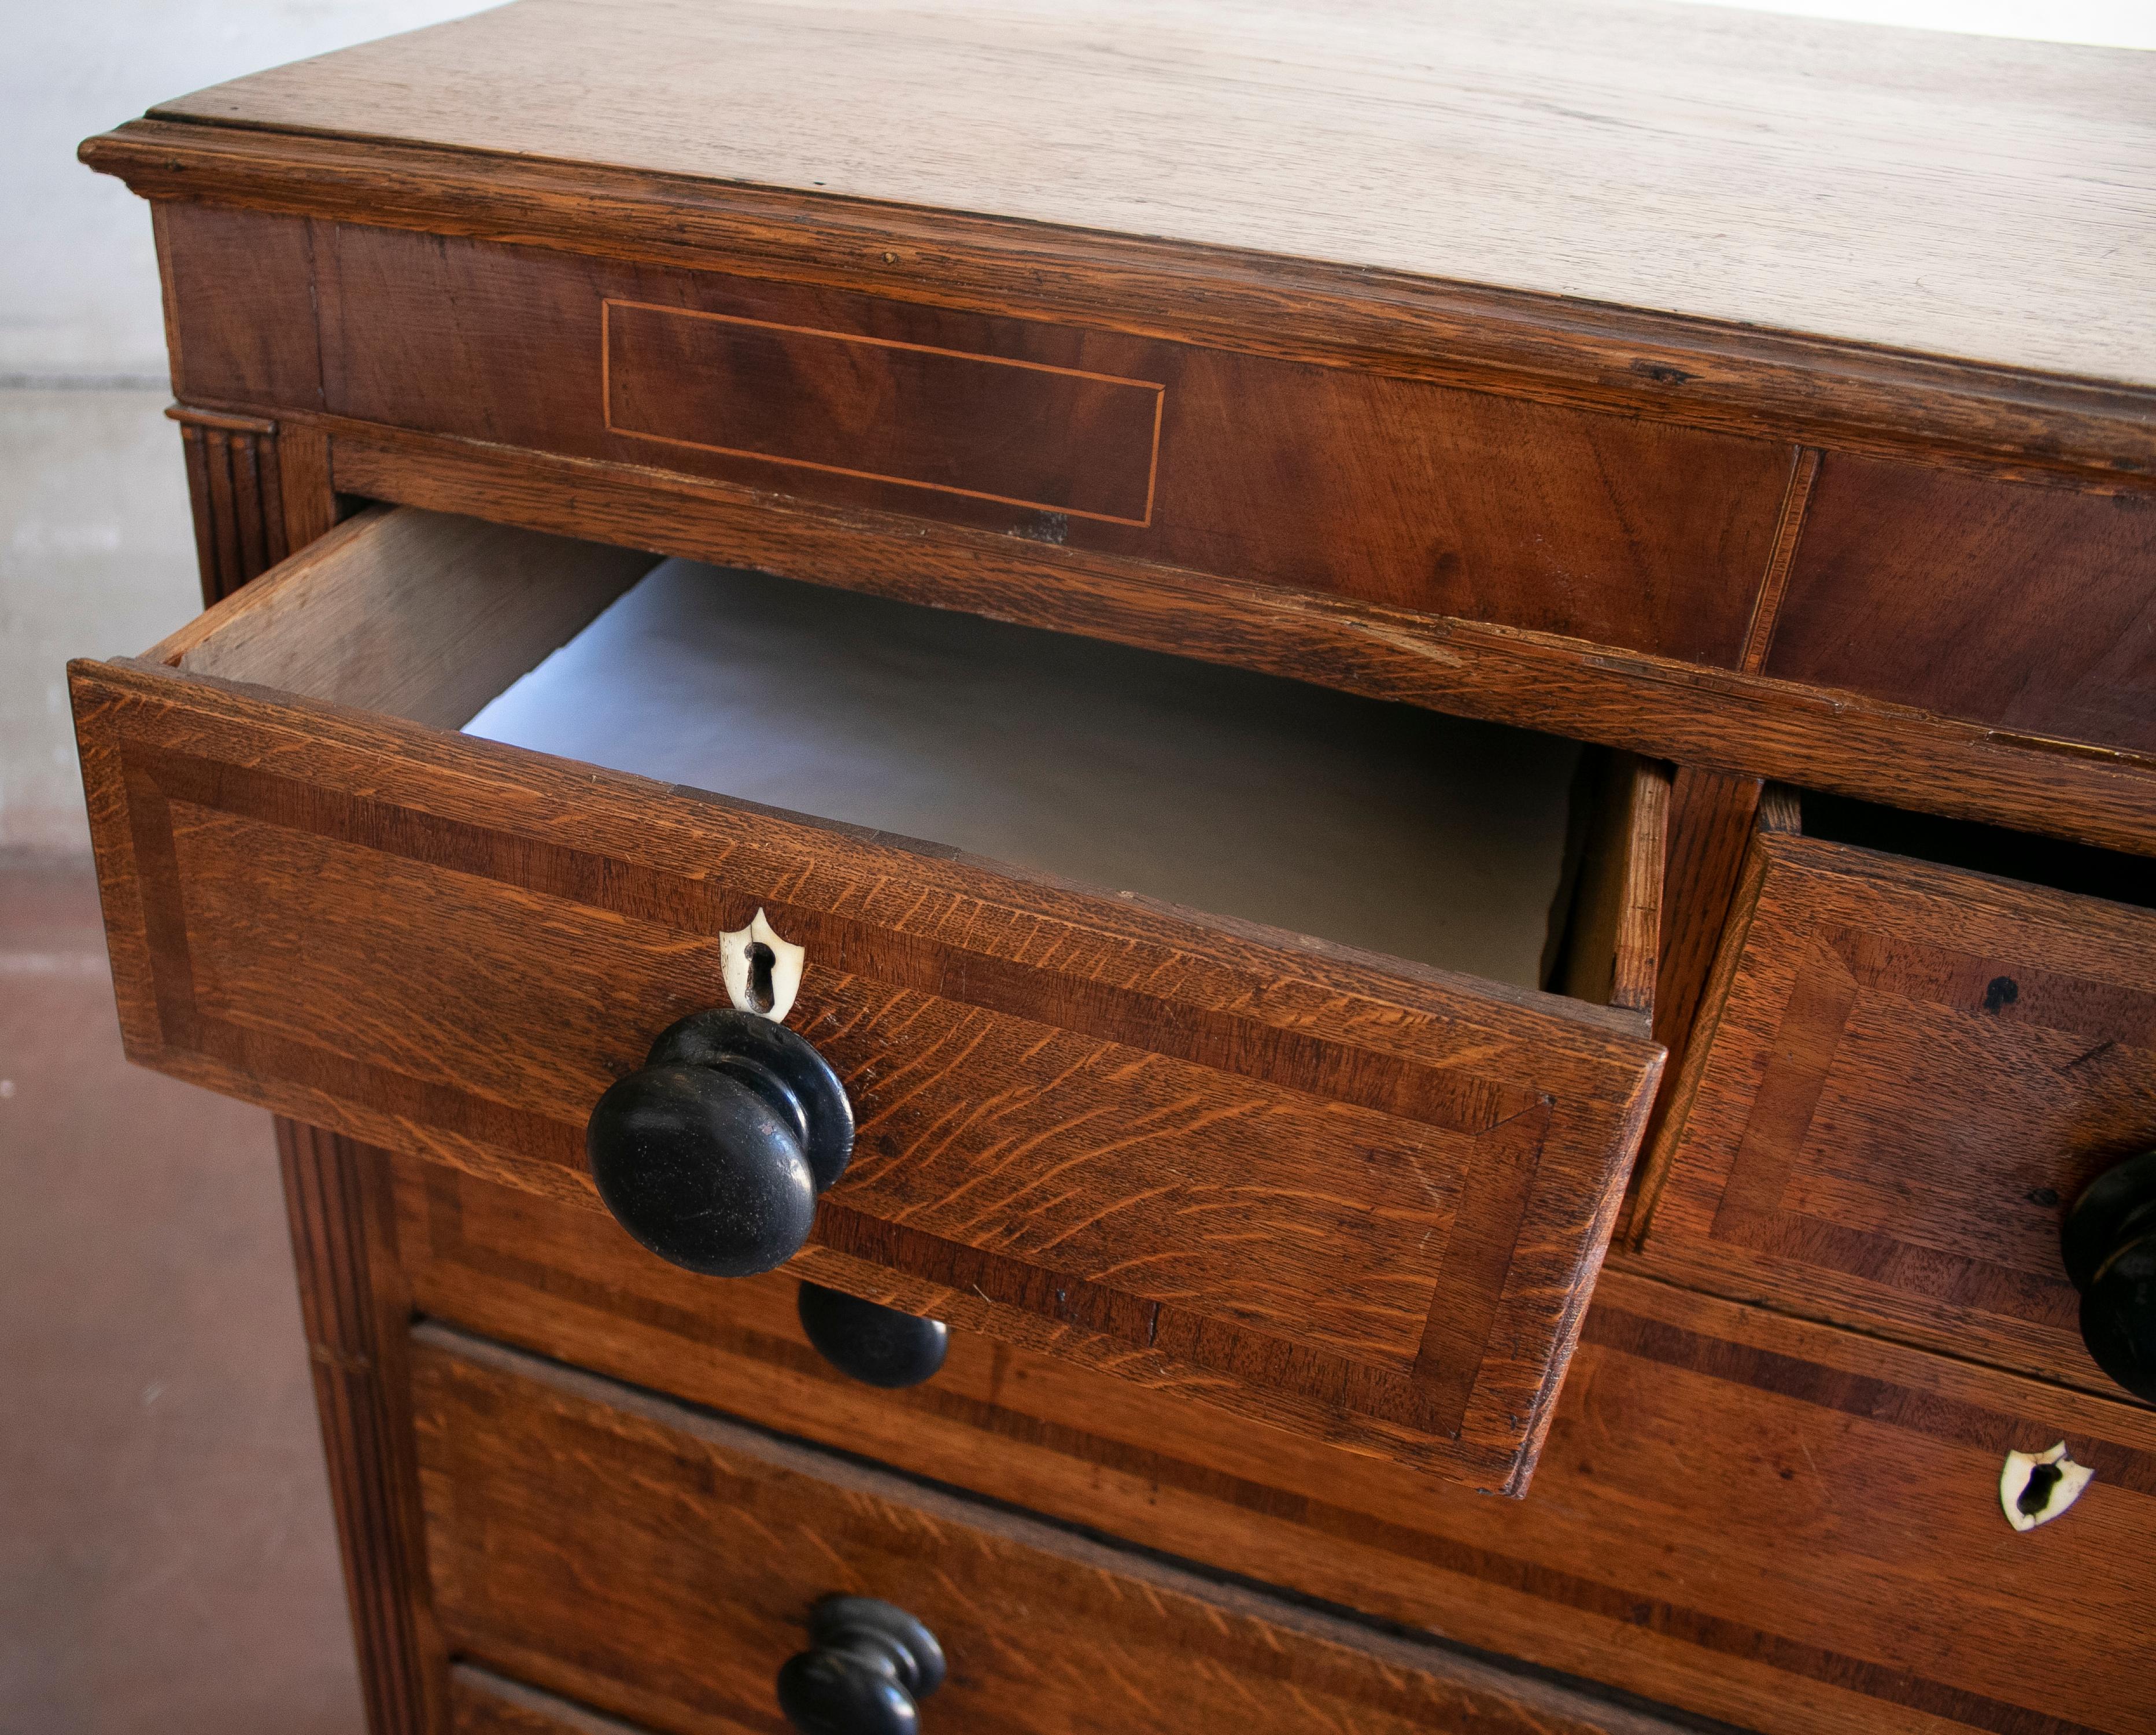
{"points": [[2034, 1487], [762, 971]]}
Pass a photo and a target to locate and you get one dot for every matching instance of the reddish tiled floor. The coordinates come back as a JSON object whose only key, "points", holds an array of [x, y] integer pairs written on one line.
{"points": [[167, 1558]]}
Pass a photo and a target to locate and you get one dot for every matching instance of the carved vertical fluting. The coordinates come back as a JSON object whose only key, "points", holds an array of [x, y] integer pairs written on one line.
{"points": [[237, 496], [352, 1301], [259, 491]]}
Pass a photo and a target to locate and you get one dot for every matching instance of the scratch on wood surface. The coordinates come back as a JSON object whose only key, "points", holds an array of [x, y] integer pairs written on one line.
{"points": [[2088, 1054], [1416, 643]]}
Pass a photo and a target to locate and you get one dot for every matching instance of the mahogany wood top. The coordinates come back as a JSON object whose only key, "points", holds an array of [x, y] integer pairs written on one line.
{"points": [[1836, 231], [1955, 194]]}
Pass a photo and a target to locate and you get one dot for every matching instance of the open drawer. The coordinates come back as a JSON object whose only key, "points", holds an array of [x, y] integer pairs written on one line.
{"points": [[1925, 1040], [1327, 1188]]}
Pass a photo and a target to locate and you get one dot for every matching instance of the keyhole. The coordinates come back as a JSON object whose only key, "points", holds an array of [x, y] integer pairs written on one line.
{"points": [[2035, 1497], [762, 996]]}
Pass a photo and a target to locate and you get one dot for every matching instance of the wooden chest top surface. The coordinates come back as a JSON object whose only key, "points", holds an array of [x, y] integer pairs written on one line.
{"points": [[1959, 196]]}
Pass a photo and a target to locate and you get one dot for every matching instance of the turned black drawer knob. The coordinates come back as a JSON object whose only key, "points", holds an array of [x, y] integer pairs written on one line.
{"points": [[2109, 1240], [868, 1666], [713, 1152], [877, 1345]]}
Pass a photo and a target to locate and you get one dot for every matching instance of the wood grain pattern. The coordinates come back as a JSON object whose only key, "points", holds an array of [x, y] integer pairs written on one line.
{"points": [[255, 323], [2033, 605], [355, 1305], [1912, 1068], [1353, 1195], [482, 1702], [423, 616], [706, 1544], [1781, 809], [1701, 373], [1788, 531], [1712, 816], [1613, 950], [1602, 527], [1749, 725], [981, 427], [234, 487], [1780, 194], [1633, 535], [1398, 455], [312, 508], [1788, 1527], [1710, 827], [258, 492]]}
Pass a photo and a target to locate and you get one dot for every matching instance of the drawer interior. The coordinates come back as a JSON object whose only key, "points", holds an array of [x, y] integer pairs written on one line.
{"points": [[1373, 824], [1494, 852], [2078, 868]]}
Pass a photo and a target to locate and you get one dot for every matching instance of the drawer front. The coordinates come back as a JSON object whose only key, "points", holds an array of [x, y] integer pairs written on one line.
{"points": [[1912, 1071], [1602, 527], [1345, 1195], [657, 1562], [1775, 1523]]}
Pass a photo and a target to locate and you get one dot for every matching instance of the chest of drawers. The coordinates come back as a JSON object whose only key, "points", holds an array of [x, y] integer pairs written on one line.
{"points": [[1527, 649]]}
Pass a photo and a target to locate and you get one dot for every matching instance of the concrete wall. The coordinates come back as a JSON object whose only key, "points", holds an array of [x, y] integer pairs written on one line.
{"points": [[96, 556]]}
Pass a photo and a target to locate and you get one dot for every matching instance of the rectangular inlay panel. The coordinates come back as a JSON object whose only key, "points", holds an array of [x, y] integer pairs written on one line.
{"points": [[1023, 434]]}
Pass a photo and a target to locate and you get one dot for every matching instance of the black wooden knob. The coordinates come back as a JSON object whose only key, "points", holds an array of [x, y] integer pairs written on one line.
{"points": [[713, 1152], [868, 1666], [2109, 1240], [877, 1345]]}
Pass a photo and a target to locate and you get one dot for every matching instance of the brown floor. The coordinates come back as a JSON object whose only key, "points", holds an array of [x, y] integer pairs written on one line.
{"points": [[166, 1560]]}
